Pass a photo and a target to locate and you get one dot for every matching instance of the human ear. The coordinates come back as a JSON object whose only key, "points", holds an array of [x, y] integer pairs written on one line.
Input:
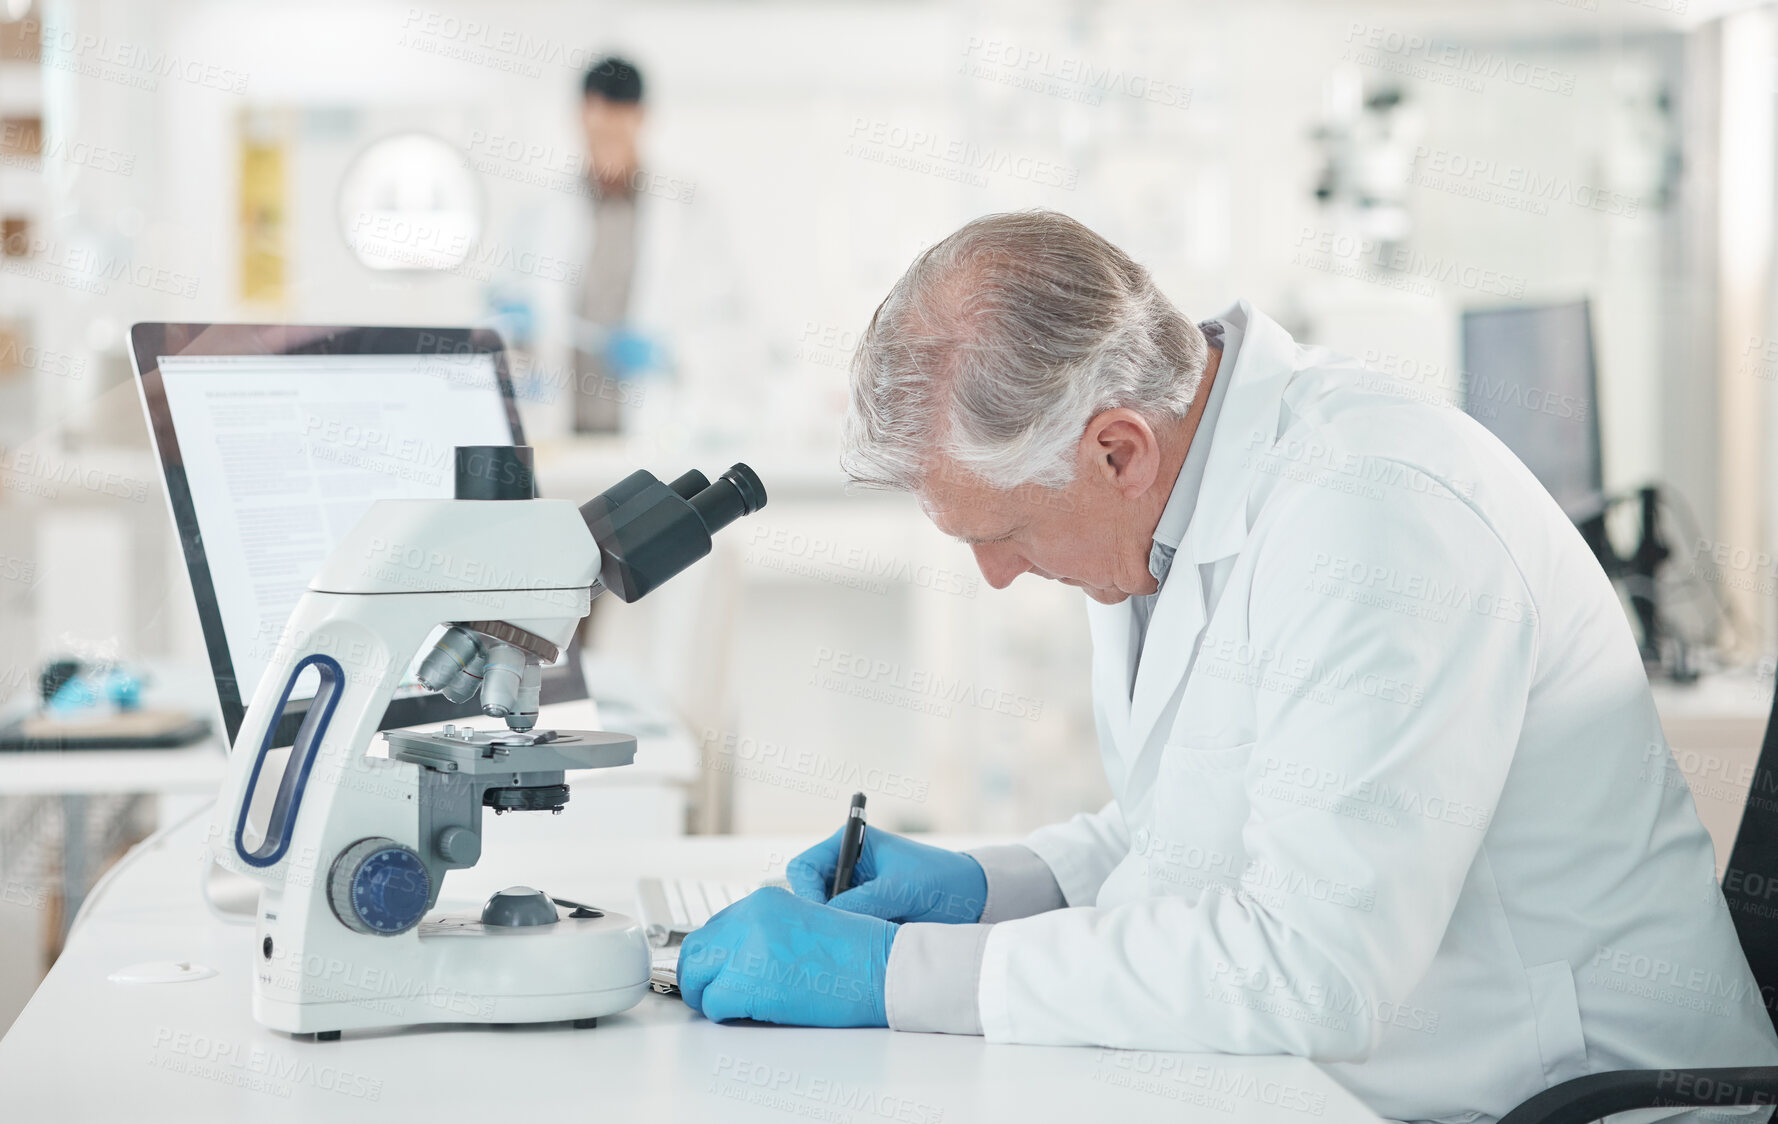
{"points": [[1120, 449]]}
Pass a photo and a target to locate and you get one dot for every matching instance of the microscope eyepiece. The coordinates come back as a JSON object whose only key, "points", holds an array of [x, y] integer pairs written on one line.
{"points": [[736, 492], [495, 472], [648, 531], [748, 483]]}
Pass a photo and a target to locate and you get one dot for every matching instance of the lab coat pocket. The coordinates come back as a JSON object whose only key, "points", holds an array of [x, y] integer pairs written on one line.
{"points": [[1199, 807], [1556, 1009]]}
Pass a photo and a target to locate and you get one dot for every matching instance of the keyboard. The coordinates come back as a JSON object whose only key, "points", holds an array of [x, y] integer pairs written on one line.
{"points": [[673, 907]]}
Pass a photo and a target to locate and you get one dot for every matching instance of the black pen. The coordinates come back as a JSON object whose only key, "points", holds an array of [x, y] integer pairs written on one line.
{"points": [[851, 842]]}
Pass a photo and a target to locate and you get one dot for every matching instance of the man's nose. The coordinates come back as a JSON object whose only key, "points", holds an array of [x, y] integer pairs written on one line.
{"points": [[999, 564]]}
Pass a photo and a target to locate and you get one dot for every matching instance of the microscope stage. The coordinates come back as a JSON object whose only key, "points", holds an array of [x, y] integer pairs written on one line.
{"points": [[457, 749]]}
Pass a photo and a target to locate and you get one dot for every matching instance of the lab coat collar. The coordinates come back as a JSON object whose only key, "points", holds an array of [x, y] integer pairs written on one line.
{"points": [[1248, 423], [1169, 532]]}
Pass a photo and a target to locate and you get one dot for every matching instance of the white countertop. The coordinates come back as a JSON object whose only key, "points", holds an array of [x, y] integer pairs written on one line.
{"points": [[88, 1049]]}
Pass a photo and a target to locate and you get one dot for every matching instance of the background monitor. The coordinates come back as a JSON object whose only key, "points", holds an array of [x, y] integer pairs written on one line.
{"points": [[1529, 376], [275, 439]]}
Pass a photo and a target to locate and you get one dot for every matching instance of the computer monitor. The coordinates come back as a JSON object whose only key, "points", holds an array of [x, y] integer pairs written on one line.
{"points": [[275, 439], [1529, 376]]}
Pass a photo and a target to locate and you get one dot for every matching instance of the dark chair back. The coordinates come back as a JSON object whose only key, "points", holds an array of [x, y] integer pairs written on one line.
{"points": [[1751, 882]]}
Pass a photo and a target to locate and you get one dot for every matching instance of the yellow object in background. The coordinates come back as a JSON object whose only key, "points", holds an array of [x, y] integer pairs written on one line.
{"points": [[263, 210]]}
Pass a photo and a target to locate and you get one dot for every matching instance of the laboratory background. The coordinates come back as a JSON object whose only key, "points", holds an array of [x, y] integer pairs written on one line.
{"points": [[1457, 192]]}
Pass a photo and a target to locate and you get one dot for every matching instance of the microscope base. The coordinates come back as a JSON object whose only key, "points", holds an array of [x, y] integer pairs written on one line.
{"points": [[452, 968]]}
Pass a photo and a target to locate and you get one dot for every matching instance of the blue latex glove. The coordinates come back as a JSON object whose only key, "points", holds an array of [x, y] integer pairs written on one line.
{"points": [[896, 879], [778, 959]]}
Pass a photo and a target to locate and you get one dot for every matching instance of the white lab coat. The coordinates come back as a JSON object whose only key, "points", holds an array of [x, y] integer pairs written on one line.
{"points": [[689, 297], [1390, 792]]}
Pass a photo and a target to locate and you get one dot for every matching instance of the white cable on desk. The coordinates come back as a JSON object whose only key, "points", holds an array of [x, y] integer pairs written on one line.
{"points": [[153, 841]]}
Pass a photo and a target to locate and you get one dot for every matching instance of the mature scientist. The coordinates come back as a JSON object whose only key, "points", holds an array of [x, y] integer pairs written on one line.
{"points": [[1390, 789]]}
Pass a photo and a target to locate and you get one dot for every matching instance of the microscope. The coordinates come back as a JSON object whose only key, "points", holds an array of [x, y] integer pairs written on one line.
{"points": [[351, 847]]}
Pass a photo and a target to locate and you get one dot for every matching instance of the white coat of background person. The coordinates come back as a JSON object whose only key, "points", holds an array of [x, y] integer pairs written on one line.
{"points": [[1390, 791], [661, 330]]}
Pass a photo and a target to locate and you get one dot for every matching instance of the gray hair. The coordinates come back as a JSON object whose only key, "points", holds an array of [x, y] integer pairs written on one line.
{"points": [[1000, 343]]}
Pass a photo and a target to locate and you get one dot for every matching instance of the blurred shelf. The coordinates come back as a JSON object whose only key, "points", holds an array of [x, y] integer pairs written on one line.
{"points": [[194, 768]]}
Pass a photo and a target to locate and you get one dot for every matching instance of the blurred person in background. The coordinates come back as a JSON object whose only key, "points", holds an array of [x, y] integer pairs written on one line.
{"points": [[611, 116], [663, 334]]}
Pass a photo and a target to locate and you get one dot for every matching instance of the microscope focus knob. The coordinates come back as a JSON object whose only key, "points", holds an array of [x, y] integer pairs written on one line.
{"points": [[459, 845], [379, 887]]}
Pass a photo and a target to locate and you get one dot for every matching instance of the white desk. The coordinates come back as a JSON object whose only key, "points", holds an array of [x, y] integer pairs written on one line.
{"points": [[87, 1049], [187, 770], [184, 771]]}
